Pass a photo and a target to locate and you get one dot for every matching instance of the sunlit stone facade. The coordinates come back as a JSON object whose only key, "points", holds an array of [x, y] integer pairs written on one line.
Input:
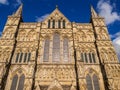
{"points": [[57, 54]]}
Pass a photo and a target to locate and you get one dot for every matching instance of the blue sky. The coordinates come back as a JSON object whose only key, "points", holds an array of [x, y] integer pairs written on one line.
{"points": [[74, 10]]}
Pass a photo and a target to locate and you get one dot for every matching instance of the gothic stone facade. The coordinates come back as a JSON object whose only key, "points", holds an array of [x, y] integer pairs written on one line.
{"points": [[57, 54]]}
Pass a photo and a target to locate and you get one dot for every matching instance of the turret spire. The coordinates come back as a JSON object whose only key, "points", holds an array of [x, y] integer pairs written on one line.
{"points": [[19, 11], [93, 12]]}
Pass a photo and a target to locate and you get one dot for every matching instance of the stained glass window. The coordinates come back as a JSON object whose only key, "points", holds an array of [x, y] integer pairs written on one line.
{"points": [[56, 47], [14, 82], [89, 83], [46, 50], [82, 56], [65, 49], [96, 83], [21, 82]]}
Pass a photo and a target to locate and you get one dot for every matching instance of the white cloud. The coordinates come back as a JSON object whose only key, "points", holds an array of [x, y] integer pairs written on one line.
{"points": [[116, 43], [5, 2], [41, 18], [106, 10], [17, 3]]}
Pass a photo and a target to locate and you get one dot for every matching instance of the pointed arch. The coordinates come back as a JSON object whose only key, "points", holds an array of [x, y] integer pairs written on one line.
{"points": [[56, 47], [14, 82], [96, 82], [65, 49], [21, 82], [46, 50], [89, 82]]}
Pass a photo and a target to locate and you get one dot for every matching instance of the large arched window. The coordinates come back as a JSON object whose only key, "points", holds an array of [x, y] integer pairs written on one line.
{"points": [[56, 47], [96, 83], [46, 50], [89, 82], [14, 82], [65, 49], [18, 82], [21, 82]]}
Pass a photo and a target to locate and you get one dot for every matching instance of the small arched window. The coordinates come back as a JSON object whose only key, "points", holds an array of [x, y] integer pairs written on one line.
{"points": [[46, 50], [59, 24], [25, 57], [48, 23], [53, 24], [17, 57], [29, 56], [86, 59], [63, 23], [65, 49], [14, 82], [56, 47], [21, 55]]}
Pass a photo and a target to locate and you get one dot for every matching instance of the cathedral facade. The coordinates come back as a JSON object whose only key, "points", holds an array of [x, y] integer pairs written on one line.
{"points": [[57, 54]]}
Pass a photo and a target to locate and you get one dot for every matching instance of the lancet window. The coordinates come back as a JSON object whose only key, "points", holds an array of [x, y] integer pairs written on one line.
{"points": [[56, 48], [65, 49], [46, 50]]}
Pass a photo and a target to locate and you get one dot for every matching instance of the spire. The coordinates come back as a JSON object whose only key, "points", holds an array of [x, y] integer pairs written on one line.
{"points": [[56, 6], [93, 12], [19, 11]]}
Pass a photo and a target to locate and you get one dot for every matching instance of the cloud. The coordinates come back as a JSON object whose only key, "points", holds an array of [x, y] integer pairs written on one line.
{"points": [[17, 3], [116, 43], [5, 2], [106, 10], [41, 18]]}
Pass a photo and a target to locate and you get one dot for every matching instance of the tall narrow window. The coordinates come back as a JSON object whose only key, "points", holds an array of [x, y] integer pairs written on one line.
{"points": [[93, 56], [82, 57], [86, 59], [96, 83], [46, 50], [29, 55], [17, 57], [48, 23], [63, 23], [14, 82], [65, 50], [25, 57], [89, 83], [59, 24], [20, 60], [53, 24], [21, 82], [56, 48], [90, 58]]}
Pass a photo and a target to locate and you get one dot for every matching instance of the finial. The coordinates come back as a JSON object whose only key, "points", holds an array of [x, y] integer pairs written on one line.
{"points": [[56, 6]]}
